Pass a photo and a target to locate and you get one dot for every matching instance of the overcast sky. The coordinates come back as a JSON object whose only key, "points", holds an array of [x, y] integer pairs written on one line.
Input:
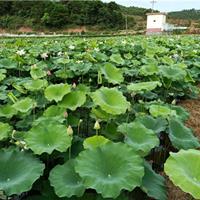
{"points": [[162, 5]]}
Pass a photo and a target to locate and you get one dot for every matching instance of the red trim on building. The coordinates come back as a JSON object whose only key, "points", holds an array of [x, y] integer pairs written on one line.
{"points": [[154, 30]]}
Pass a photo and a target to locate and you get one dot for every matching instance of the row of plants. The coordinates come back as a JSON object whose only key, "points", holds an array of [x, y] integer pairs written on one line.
{"points": [[97, 118]]}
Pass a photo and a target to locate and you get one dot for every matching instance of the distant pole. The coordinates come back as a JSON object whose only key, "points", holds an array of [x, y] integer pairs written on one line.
{"points": [[153, 4], [126, 24]]}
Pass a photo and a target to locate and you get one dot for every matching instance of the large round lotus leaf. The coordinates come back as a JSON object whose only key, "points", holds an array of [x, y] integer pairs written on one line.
{"points": [[37, 72], [24, 105], [143, 86], [153, 184], [73, 100], [183, 169], [5, 130], [94, 141], [54, 111], [34, 85], [173, 73], [7, 111], [148, 70], [116, 58], [7, 63], [46, 137], [161, 111], [112, 74], [181, 112], [57, 92], [66, 181], [156, 124], [181, 136], [110, 168], [110, 100], [2, 77], [141, 139], [18, 171]]}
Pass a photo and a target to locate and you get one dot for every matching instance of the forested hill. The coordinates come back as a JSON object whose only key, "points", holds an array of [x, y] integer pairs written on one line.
{"points": [[66, 14], [186, 14]]}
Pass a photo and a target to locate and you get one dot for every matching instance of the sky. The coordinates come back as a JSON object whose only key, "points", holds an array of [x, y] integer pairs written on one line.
{"points": [[162, 5]]}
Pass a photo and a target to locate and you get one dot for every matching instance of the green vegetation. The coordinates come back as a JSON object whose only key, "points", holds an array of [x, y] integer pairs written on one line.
{"points": [[96, 118]]}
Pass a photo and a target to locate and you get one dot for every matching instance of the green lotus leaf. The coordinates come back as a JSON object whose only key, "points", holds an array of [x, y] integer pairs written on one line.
{"points": [[37, 73], [183, 170], [66, 181], [7, 63], [173, 73], [54, 111], [34, 85], [181, 112], [2, 77], [107, 170], [18, 171], [156, 124], [141, 139], [153, 184], [7, 111], [63, 73], [57, 92], [98, 113], [181, 136], [24, 105], [148, 70], [110, 100], [143, 86], [112, 74], [5, 130], [94, 141], [116, 58], [73, 100], [46, 137], [161, 111]]}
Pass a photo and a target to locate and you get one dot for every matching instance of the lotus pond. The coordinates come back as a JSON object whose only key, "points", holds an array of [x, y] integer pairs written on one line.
{"points": [[97, 118]]}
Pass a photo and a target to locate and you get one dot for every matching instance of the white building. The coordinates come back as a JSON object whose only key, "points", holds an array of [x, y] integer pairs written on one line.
{"points": [[156, 23]]}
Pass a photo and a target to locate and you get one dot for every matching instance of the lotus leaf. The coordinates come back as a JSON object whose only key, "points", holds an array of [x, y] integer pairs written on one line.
{"points": [[7, 63], [57, 92], [173, 73], [66, 181], [156, 124], [73, 100], [7, 111], [34, 85], [143, 86], [46, 137], [18, 171], [112, 74], [183, 169], [161, 111], [110, 100], [181, 112], [94, 141], [148, 70], [141, 139], [116, 58], [37, 72], [181, 136], [54, 111], [5, 130], [153, 184], [24, 105], [107, 170], [2, 77], [98, 113]]}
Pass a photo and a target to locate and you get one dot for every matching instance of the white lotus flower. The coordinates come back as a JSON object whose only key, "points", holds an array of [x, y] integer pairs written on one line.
{"points": [[96, 49], [21, 52], [71, 47], [60, 53], [44, 55], [79, 61]]}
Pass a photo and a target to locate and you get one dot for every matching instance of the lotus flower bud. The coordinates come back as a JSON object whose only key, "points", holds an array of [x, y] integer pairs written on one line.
{"points": [[65, 114], [69, 131], [97, 125], [49, 73], [174, 102], [74, 85]]}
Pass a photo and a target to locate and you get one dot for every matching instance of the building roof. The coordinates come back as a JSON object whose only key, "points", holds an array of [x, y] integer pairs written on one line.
{"points": [[156, 13]]}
